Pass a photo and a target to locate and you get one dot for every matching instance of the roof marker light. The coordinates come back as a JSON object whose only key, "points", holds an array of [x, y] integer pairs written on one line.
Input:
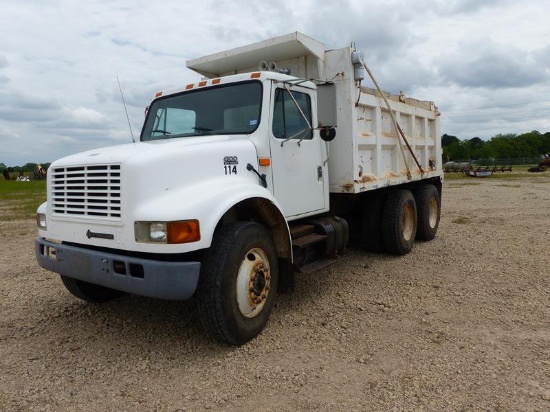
{"points": [[202, 84], [255, 75], [189, 86], [216, 81], [158, 94]]}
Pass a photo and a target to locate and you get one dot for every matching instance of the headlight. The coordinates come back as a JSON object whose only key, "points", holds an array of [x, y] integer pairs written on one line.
{"points": [[41, 221], [158, 232], [183, 231]]}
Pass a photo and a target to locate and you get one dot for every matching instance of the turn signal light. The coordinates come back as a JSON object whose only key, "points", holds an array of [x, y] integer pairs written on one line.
{"points": [[184, 231], [264, 161]]}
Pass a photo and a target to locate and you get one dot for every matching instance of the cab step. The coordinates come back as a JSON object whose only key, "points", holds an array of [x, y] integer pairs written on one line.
{"points": [[317, 265], [298, 231], [308, 240]]}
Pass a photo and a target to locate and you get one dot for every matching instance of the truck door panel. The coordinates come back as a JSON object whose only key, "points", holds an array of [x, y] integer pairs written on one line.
{"points": [[296, 153]]}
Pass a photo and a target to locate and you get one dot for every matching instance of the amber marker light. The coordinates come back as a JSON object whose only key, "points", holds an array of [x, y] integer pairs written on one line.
{"points": [[264, 161], [158, 94], [255, 75], [184, 231], [216, 81]]}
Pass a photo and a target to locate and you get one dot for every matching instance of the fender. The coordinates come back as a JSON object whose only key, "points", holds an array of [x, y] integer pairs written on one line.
{"points": [[207, 201]]}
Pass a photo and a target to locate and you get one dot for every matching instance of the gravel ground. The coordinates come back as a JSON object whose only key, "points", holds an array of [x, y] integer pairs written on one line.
{"points": [[460, 324]]}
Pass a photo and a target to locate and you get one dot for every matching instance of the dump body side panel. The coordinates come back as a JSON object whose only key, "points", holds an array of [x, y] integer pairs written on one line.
{"points": [[367, 152]]}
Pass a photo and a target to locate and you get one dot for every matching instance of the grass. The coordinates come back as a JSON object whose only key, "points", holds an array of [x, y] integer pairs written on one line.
{"points": [[19, 200], [461, 220]]}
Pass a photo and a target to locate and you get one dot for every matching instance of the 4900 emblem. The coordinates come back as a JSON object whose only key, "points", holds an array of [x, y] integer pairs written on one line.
{"points": [[230, 160]]}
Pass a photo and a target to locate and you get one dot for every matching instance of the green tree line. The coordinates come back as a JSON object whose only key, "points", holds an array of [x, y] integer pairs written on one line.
{"points": [[502, 146], [26, 168]]}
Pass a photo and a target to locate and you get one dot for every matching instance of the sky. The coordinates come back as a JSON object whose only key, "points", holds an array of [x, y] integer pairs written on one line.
{"points": [[485, 64]]}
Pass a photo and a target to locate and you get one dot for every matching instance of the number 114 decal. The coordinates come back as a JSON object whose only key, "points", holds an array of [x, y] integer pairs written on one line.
{"points": [[230, 170]]}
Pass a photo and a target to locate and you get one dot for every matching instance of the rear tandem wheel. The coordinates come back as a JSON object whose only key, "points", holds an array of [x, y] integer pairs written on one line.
{"points": [[399, 222], [428, 207]]}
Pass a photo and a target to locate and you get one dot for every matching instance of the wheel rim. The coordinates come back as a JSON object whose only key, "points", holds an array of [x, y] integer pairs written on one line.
{"points": [[433, 209], [407, 222], [253, 283]]}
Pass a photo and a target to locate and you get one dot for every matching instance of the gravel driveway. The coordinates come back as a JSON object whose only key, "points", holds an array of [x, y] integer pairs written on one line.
{"points": [[460, 324]]}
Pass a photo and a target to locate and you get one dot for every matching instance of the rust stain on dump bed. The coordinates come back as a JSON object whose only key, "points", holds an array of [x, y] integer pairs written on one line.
{"points": [[347, 186], [365, 178], [389, 175]]}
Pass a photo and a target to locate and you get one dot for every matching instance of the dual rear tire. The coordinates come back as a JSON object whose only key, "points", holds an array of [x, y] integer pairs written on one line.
{"points": [[399, 222], [428, 205], [392, 222]]}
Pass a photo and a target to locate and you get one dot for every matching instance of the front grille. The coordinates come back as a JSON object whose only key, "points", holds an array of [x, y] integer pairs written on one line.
{"points": [[87, 191]]}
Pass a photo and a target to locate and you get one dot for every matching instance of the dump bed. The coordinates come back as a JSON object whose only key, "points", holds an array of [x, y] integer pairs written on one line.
{"points": [[368, 151]]}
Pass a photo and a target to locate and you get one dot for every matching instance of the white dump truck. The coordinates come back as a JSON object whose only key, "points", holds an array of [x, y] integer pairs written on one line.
{"points": [[262, 169]]}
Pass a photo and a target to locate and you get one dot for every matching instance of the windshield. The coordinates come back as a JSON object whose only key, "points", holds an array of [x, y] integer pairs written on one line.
{"points": [[225, 109]]}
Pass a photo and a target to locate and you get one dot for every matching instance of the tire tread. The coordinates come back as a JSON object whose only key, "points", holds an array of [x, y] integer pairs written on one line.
{"points": [[213, 298]]}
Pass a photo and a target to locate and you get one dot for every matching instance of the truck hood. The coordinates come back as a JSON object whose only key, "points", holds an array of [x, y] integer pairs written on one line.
{"points": [[123, 153], [107, 190]]}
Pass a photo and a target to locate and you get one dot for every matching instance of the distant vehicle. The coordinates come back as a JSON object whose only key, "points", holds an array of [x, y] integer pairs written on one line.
{"points": [[479, 173]]}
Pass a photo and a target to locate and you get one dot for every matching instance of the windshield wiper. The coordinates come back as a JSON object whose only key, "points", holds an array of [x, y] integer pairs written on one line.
{"points": [[160, 131], [202, 129]]}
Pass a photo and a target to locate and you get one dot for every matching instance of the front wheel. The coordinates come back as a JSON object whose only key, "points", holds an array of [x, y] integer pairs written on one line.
{"points": [[89, 291], [238, 282]]}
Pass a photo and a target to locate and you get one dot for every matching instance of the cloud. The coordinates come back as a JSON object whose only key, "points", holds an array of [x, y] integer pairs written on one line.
{"points": [[491, 66], [3, 62], [83, 115], [542, 56], [454, 7], [22, 107]]}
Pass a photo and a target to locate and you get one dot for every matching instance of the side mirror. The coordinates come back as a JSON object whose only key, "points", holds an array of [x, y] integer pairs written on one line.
{"points": [[328, 133], [326, 110]]}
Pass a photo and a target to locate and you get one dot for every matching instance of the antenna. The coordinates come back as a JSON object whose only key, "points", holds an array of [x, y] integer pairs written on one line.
{"points": [[126, 110]]}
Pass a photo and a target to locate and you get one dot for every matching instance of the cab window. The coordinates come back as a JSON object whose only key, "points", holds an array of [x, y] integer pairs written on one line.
{"points": [[288, 121]]}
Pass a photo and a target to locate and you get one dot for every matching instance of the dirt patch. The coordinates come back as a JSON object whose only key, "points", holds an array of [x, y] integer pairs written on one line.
{"points": [[461, 324]]}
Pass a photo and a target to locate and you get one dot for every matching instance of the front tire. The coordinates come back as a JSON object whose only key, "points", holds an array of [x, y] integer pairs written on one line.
{"points": [[399, 222], [238, 282], [89, 291]]}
